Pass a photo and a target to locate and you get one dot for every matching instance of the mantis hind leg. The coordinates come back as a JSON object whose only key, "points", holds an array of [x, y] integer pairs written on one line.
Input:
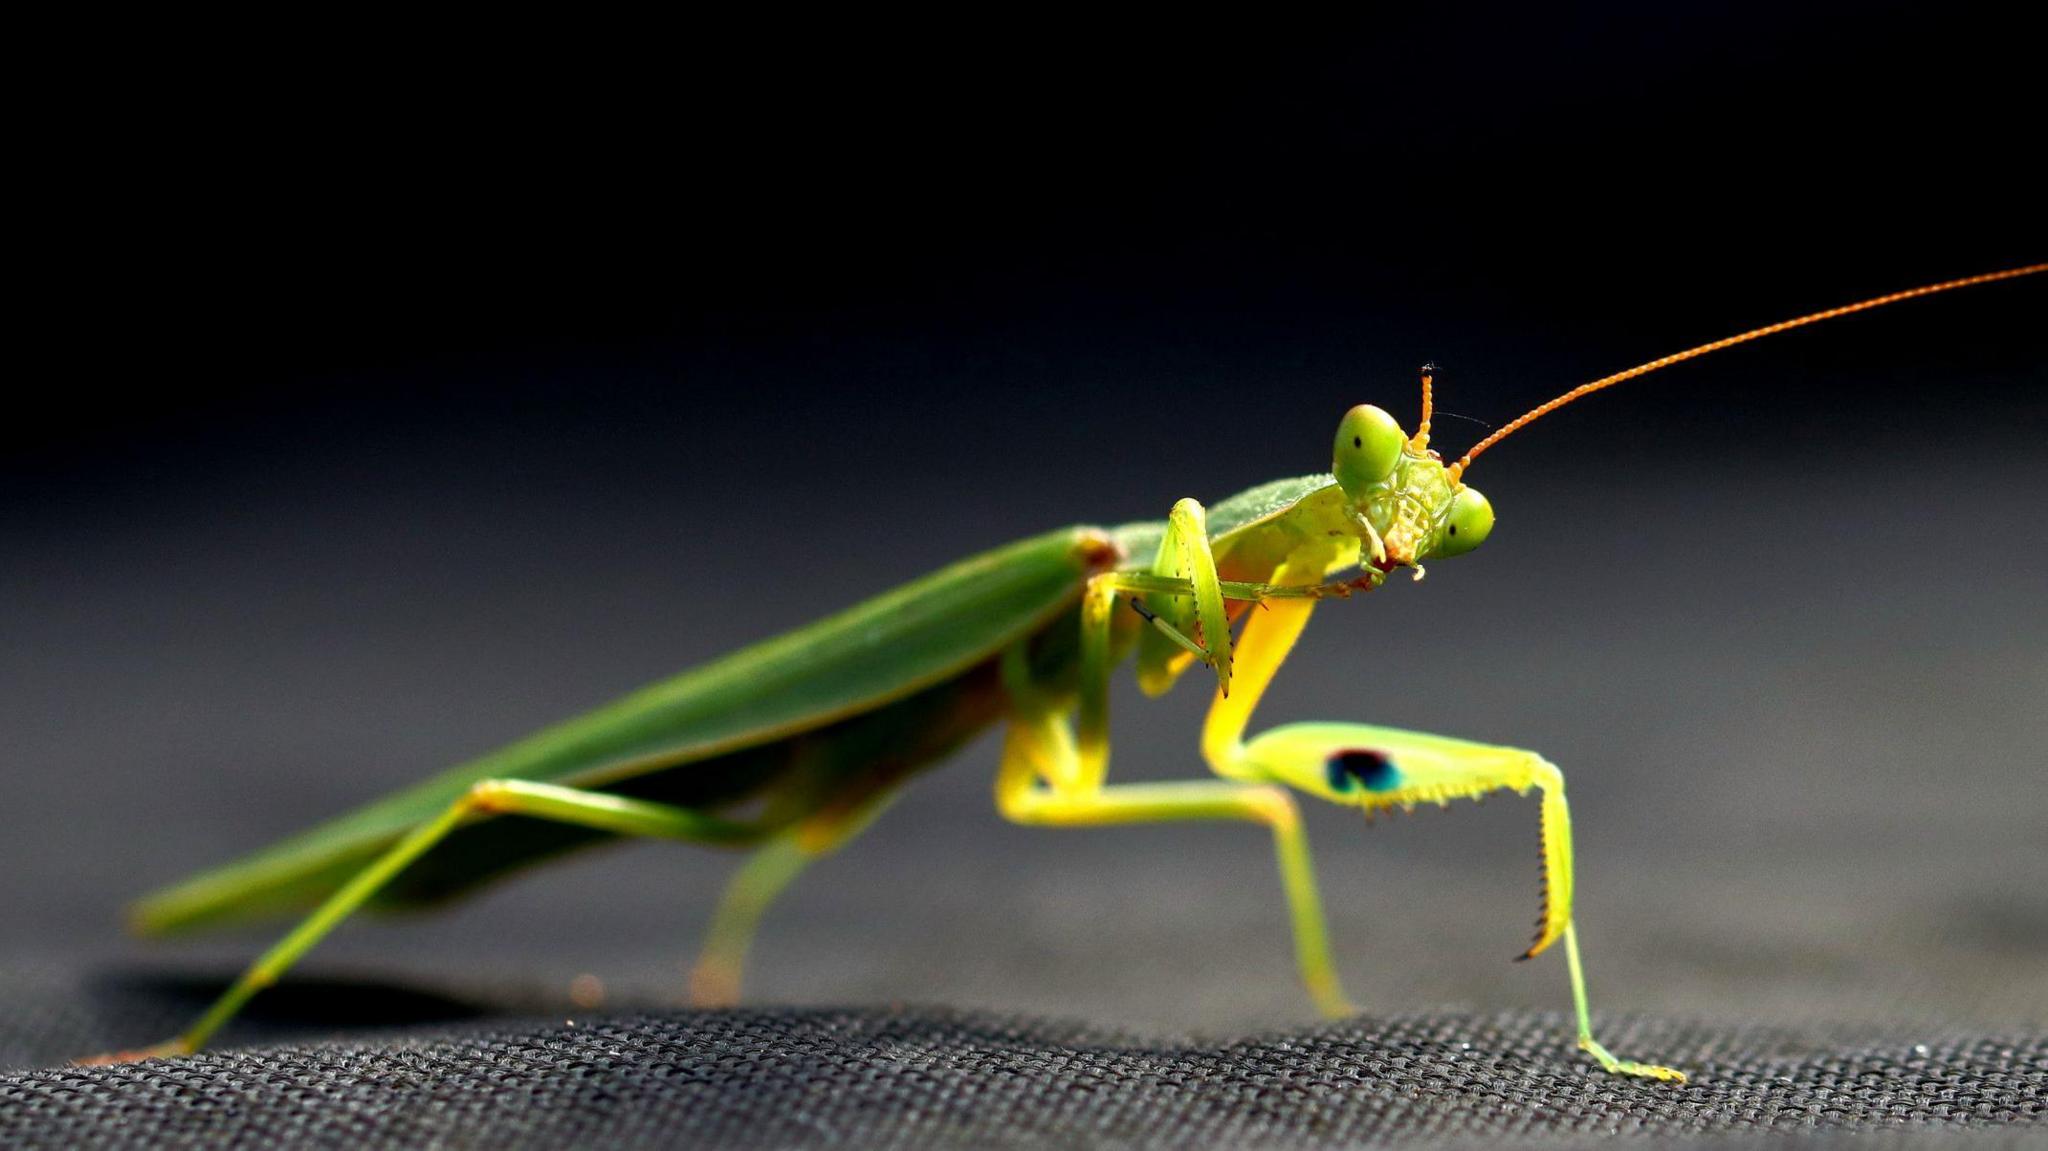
{"points": [[715, 980], [591, 809]]}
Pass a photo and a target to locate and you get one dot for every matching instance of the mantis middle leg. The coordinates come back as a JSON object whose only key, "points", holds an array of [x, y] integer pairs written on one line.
{"points": [[716, 978], [1050, 777]]}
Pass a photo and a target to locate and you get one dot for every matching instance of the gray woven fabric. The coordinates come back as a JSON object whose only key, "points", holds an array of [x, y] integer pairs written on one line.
{"points": [[932, 1077]]}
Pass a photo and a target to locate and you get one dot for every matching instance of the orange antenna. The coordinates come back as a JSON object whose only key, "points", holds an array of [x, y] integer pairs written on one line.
{"points": [[1457, 470], [1420, 440]]}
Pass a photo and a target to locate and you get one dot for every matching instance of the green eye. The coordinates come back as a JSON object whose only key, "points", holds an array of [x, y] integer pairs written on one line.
{"points": [[1471, 519], [1368, 446]]}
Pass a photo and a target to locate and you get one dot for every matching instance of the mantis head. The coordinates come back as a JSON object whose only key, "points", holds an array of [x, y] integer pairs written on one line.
{"points": [[1413, 503]]}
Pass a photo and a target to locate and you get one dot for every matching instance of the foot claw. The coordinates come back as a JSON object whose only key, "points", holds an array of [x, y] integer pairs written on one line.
{"points": [[1628, 1067], [1330, 1000], [714, 986], [169, 1050]]}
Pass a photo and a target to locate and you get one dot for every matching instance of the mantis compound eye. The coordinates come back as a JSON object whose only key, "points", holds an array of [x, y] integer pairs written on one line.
{"points": [[1470, 521], [1368, 446]]}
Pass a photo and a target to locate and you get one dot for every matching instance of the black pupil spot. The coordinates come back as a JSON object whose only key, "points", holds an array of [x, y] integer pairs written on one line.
{"points": [[1370, 768], [1357, 441], [1454, 529]]}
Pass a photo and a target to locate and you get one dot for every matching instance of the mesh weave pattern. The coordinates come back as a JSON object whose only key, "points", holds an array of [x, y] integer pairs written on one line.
{"points": [[937, 1078]]}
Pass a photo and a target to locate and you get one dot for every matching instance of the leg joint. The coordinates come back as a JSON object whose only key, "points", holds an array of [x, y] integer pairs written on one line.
{"points": [[1274, 807], [491, 796]]}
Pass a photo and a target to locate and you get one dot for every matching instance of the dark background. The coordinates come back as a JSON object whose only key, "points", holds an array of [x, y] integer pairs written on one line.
{"points": [[404, 395]]}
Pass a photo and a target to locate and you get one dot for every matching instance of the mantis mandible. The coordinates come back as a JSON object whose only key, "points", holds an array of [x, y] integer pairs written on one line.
{"points": [[792, 746]]}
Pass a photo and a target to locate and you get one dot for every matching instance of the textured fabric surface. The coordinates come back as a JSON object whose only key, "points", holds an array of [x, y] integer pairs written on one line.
{"points": [[921, 1077], [1782, 861]]}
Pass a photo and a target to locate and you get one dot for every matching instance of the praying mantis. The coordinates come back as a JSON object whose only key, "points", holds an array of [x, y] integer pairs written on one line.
{"points": [[791, 747]]}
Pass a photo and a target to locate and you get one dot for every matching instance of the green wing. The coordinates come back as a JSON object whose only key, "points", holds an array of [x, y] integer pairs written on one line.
{"points": [[1239, 522], [1255, 507], [900, 643]]}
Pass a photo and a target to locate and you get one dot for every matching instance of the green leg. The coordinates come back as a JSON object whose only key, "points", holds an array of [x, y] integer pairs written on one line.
{"points": [[487, 798], [1184, 553], [1591, 1045], [715, 980]]}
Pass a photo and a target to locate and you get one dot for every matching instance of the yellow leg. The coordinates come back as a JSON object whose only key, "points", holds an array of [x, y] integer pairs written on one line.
{"points": [[1379, 768], [1268, 639], [1415, 769], [1215, 647], [1031, 749], [1053, 777]]}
